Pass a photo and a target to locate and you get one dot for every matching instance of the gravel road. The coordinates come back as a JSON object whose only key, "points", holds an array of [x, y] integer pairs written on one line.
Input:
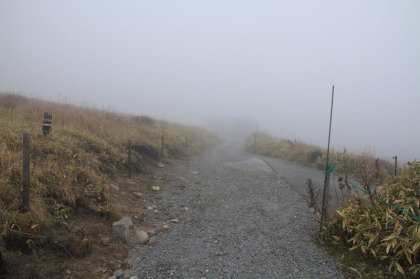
{"points": [[237, 219]]}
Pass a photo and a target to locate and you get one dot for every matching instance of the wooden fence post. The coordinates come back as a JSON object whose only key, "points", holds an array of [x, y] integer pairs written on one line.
{"points": [[161, 147], [129, 159], [26, 173]]}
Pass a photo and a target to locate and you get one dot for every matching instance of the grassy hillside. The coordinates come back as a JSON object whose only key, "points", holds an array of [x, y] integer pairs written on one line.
{"points": [[364, 168], [72, 167]]}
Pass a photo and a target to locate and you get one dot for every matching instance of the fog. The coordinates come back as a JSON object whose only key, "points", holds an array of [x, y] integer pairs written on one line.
{"points": [[267, 62]]}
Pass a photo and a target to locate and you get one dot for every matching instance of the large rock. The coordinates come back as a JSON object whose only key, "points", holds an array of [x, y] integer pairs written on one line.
{"points": [[128, 231]]}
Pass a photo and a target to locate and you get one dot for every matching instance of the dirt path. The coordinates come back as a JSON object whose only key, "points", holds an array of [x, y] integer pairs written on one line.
{"points": [[236, 218]]}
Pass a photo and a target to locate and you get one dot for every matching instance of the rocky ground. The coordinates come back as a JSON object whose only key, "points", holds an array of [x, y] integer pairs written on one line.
{"points": [[233, 217], [107, 252]]}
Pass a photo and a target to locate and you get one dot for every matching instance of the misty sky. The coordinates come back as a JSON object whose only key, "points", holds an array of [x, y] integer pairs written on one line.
{"points": [[192, 61]]}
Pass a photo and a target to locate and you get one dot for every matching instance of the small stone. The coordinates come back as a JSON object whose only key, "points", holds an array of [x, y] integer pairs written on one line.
{"points": [[160, 165], [68, 271], [152, 240], [174, 220], [118, 273], [164, 228], [154, 206], [142, 237], [155, 188], [134, 277], [105, 241], [186, 208], [156, 211], [115, 187], [312, 210], [138, 195], [150, 231], [150, 208]]}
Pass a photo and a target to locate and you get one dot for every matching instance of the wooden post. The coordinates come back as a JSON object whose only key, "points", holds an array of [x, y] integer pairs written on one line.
{"points": [[395, 170], [255, 141], [161, 147], [26, 173], [129, 159]]}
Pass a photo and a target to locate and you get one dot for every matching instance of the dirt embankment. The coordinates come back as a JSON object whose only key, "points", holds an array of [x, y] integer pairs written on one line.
{"points": [[84, 245]]}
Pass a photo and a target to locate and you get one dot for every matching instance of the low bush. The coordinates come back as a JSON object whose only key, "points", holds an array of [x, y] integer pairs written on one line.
{"points": [[379, 231]]}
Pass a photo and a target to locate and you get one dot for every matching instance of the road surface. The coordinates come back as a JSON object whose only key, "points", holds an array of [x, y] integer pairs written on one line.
{"points": [[236, 218]]}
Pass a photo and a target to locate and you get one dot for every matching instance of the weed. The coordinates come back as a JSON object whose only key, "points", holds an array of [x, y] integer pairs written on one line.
{"points": [[313, 195]]}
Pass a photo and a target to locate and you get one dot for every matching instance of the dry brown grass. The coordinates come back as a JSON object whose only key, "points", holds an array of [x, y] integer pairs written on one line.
{"points": [[73, 165], [363, 168]]}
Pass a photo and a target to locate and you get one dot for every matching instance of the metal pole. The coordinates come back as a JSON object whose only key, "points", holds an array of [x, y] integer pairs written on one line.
{"points": [[327, 173]]}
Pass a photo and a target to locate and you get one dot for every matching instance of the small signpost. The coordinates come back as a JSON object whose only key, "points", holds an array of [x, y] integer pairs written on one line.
{"points": [[395, 170], [46, 123]]}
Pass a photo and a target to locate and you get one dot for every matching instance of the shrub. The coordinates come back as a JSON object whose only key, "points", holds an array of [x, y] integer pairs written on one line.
{"points": [[379, 231], [313, 156]]}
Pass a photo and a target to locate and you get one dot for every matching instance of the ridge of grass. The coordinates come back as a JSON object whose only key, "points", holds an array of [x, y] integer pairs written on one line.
{"points": [[363, 168], [72, 167]]}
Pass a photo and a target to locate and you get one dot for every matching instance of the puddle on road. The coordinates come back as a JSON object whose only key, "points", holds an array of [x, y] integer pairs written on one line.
{"points": [[251, 164]]}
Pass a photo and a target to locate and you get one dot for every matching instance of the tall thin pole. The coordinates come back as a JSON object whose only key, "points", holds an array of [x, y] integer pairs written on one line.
{"points": [[327, 173]]}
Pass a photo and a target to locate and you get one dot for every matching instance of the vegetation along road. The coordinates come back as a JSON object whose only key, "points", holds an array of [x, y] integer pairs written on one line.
{"points": [[235, 218]]}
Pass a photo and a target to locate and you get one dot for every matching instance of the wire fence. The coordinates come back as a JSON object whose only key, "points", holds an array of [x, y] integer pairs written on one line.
{"points": [[330, 168]]}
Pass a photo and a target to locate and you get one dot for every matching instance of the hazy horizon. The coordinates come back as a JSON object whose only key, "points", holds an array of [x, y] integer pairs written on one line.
{"points": [[267, 62]]}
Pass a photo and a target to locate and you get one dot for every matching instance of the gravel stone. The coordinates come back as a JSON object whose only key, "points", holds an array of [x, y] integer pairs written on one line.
{"points": [[243, 221]]}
